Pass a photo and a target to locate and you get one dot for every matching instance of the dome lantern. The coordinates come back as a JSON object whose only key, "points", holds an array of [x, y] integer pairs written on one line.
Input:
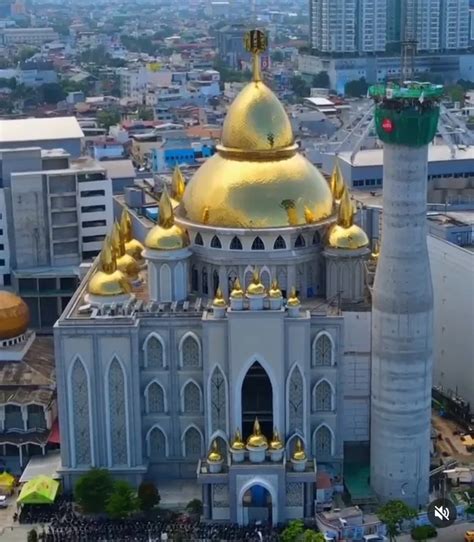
{"points": [[14, 316]]}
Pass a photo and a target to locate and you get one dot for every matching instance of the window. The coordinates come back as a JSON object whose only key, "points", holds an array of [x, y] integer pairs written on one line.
{"points": [[2, 247], [216, 242], [322, 442], [235, 244], [93, 238], [154, 353], [190, 353], [93, 209], [300, 242], [198, 240], [92, 193], [94, 223], [279, 243], [7, 279], [205, 287], [323, 397], [192, 443], [68, 283], [194, 279], [156, 399], [27, 285], [47, 284], [2, 261], [191, 399], [322, 350], [316, 238], [258, 244], [156, 444]]}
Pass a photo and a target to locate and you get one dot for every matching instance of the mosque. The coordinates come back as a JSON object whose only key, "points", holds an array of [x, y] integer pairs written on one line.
{"points": [[232, 345]]}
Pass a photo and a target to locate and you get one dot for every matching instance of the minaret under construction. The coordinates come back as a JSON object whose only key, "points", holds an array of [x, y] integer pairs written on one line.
{"points": [[406, 119]]}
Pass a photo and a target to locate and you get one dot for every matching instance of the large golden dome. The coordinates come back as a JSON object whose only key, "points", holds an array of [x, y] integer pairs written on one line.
{"points": [[14, 315], [257, 179]]}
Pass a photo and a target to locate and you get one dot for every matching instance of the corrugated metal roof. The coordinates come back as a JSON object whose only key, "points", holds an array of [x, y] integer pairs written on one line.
{"points": [[19, 130]]}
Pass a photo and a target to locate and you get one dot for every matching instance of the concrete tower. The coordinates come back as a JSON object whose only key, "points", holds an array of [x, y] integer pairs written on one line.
{"points": [[402, 319]]}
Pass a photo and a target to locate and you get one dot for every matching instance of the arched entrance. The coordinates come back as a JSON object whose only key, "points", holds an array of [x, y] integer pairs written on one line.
{"points": [[257, 505], [257, 401]]}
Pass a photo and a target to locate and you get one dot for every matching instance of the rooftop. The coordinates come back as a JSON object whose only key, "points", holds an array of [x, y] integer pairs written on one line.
{"points": [[118, 169], [54, 128]]}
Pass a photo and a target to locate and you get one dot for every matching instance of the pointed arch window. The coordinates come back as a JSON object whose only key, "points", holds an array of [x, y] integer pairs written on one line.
{"points": [[155, 399], [316, 238], [190, 353], [216, 242], [192, 443], [154, 356], [156, 444], [236, 244], [300, 242], [323, 397], [258, 244], [194, 278], [323, 442], [218, 401], [118, 419], [296, 401], [215, 280], [79, 387], [279, 243], [205, 286], [322, 350], [192, 399], [198, 240]]}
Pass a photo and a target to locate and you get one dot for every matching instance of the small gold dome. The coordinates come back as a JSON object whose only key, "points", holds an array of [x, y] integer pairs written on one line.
{"points": [[345, 234], [255, 287], [274, 292], [276, 442], [219, 300], [237, 292], [237, 442], [214, 455], [256, 439], [14, 315], [376, 253], [257, 179], [125, 263], [293, 300], [166, 235], [108, 280], [133, 247], [299, 454]]}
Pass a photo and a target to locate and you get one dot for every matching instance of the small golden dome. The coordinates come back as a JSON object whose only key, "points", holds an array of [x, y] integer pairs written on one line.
{"points": [[237, 442], [219, 300], [108, 280], [132, 246], [299, 454], [177, 187], [255, 287], [276, 443], [214, 455], [166, 235], [345, 234], [293, 300], [237, 292], [274, 292], [376, 253], [125, 263], [256, 439], [337, 182], [257, 179], [14, 315]]}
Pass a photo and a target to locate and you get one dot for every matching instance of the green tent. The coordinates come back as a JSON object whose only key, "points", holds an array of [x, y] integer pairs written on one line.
{"points": [[39, 490]]}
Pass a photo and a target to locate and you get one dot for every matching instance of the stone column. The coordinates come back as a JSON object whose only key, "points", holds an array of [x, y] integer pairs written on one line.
{"points": [[206, 501]]}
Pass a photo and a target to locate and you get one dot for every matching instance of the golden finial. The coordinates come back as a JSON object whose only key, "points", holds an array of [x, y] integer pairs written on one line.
{"points": [[214, 455], [276, 442], [166, 218], [256, 42], [219, 300], [119, 240], [177, 184], [125, 262], [274, 292], [237, 292], [256, 439], [237, 442], [126, 225], [293, 300], [256, 287], [346, 210], [107, 260], [337, 182], [299, 454], [376, 253], [309, 216], [108, 280]]}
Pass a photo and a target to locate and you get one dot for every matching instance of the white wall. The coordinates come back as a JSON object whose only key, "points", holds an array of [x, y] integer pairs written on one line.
{"points": [[452, 268]]}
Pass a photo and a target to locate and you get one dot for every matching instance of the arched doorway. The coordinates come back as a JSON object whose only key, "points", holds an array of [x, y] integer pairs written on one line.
{"points": [[257, 505], [257, 400]]}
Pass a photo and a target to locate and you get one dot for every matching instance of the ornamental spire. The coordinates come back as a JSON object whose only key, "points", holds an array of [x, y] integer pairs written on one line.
{"points": [[337, 181], [346, 210], [166, 218], [177, 184], [256, 42]]}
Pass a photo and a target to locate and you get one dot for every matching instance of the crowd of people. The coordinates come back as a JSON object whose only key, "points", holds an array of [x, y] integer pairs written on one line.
{"points": [[61, 523]]}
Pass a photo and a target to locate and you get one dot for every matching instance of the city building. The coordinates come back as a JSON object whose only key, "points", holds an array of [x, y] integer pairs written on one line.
{"points": [[180, 151], [27, 36], [57, 211], [372, 26], [333, 26], [230, 45], [454, 25], [238, 346], [28, 410]]}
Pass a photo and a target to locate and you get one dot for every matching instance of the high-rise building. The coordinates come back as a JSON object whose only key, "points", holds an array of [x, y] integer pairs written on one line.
{"points": [[371, 32], [420, 21], [393, 21], [454, 31], [333, 26]]}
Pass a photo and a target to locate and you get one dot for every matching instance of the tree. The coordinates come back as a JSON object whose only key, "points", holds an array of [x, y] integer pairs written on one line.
{"points": [[194, 506], [277, 56], [108, 118], [122, 502], [393, 513], [293, 532], [321, 80], [93, 490], [356, 88], [145, 113], [456, 93], [52, 93], [299, 86], [32, 536], [148, 496], [312, 536]]}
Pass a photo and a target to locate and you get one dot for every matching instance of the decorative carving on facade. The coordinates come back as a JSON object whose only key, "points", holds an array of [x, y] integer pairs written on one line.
{"points": [[294, 494], [118, 422], [296, 401], [80, 412], [218, 401]]}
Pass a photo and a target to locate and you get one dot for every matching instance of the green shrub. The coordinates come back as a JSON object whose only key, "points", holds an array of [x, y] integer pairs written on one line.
{"points": [[423, 532]]}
